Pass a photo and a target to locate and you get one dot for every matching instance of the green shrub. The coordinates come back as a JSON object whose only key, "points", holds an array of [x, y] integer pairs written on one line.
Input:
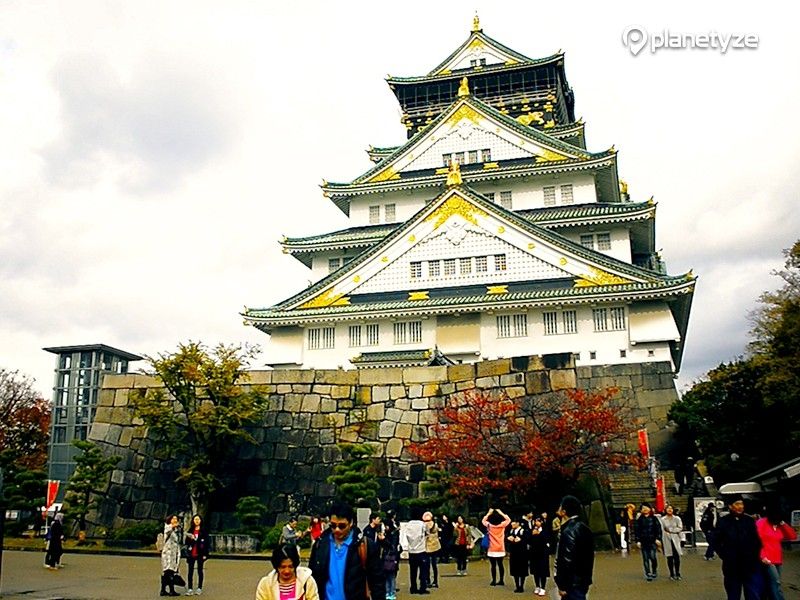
{"points": [[271, 537], [145, 532]]}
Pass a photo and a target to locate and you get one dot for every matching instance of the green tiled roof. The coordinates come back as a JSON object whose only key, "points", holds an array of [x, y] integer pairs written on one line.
{"points": [[480, 302], [656, 281], [550, 216], [397, 355]]}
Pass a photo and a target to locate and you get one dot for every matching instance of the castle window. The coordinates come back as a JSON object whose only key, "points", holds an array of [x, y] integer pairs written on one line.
{"points": [[592, 354], [587, 241], [465, 266], [355, 335], [566, 194], [481, 264], [473, 156], [321, 338], [389, 213], [651, 353], [509, 326], [374, 215], [486, 155], [550, 323], [623, 353], [489, 195], [333, 264], [373, 334], [407, 332], [600, 318], [434, 268], [505, 200], [604, 241], [446, 159], [499, 262], [449, 267], [416, 270], [618, 318], [549, 195], [570, 320], [483, 62]]}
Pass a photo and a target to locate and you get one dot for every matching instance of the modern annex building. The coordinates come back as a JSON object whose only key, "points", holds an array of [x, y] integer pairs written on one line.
{"points": [[491, 232]]}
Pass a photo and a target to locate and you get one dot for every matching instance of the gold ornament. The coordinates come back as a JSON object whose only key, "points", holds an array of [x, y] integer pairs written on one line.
{"points": [[463, 89]]}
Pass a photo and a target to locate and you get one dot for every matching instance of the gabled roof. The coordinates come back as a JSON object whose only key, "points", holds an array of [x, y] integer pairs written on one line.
{"points": [[589, 275], [544, 152], [550, 217], [477, 39]]}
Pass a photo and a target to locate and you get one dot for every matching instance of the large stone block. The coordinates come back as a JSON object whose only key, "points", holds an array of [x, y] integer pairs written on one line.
{"points": [[562, 379], [460, 372], [394, 447], [447, 388], [126, 436], [409, 417], [327, 405], [537, 382], [428, 417], [650, 398], [324, 390], [487, 382], [515, 392], [340, 391], [491, 368], [397, 391], [414, 390], [394, 415], [337, 377], [364, 394], [402, 404], [380, 376], [310, 403], [293, 376], [420, 404], [512, 379], [376, 412], [403, 431], [301, 388], [120, 397], [284, 388], [431, 389], [380, 393], [465, 385], [259, 377], [386, 429], [424, 374]]}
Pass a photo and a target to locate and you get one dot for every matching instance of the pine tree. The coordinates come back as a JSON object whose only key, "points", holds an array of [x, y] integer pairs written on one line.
{"points": [[89, 477], [354, 478]]}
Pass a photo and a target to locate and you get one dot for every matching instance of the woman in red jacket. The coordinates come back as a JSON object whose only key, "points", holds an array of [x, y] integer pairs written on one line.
{"points": [[773, 531]]}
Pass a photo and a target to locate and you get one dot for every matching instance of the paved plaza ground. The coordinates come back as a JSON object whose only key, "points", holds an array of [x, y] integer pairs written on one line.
{"points": [[103, 577]]}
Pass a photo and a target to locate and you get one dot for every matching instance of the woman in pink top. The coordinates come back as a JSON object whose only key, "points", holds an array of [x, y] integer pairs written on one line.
{"points": [[496, 522], [773, 531]]}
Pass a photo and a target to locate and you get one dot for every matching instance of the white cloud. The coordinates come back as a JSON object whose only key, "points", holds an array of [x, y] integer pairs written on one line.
{"points": [[153, 153]]}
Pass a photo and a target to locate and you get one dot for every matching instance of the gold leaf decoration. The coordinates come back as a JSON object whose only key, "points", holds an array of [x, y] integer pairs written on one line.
{"points": [[550, 156], [326, 298], [599, 277], [455, 205], [532, 117], [562, 261], [464, 112], [385, 175], [497, 289], [501, 229], [418, 295]]}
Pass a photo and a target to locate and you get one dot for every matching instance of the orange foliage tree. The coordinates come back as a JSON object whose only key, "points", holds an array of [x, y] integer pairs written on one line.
{"points": [[490, 443], [24, 421]]}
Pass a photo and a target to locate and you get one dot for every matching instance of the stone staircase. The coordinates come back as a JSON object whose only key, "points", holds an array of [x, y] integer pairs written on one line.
{"points": [[635, 487]]}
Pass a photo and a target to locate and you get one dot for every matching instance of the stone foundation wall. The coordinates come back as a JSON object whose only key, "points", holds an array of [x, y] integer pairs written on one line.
{"points": [[311, 411]]}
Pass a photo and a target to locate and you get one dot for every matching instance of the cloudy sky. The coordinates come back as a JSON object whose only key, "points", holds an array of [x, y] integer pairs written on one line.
{"points": [[153, 153]]}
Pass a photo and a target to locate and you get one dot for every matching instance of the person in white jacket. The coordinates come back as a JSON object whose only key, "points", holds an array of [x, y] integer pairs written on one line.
{"points": [[287, 580]]}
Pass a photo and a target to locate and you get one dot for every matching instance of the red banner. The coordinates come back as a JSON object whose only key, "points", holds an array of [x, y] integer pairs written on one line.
{"points": [[644, 444], [661, 497], [52, 492]]}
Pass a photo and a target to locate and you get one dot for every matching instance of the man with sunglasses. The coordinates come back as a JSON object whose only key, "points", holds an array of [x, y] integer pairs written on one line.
{"points": [[344, 563]]}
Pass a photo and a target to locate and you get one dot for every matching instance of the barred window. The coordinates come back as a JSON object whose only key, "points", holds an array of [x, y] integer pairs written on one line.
{"points": [[333, 264], [550, 323], [486, 155], [355, 335], [321, 338], [504, 326], [481, 265], [566, 194], [512, 325], [408, 332], [618, 318], [600, 318], [374, 215], [449, 267], [604, 241], [458, 158], [489, 195], [446, 159], [373, 334], [505, 200], [587, 241], [389, 213], [416, 270], [473, 156], [465, 266], [570, 320], [549, 195], [499, 262], [434, 268]]}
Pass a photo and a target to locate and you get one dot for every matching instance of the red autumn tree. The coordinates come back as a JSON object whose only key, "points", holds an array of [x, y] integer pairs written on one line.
{"points": [[491, 443], [24, 421]]}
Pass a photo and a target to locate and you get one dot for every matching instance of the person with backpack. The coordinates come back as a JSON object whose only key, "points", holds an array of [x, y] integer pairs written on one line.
{"points": [[344, 563]]}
